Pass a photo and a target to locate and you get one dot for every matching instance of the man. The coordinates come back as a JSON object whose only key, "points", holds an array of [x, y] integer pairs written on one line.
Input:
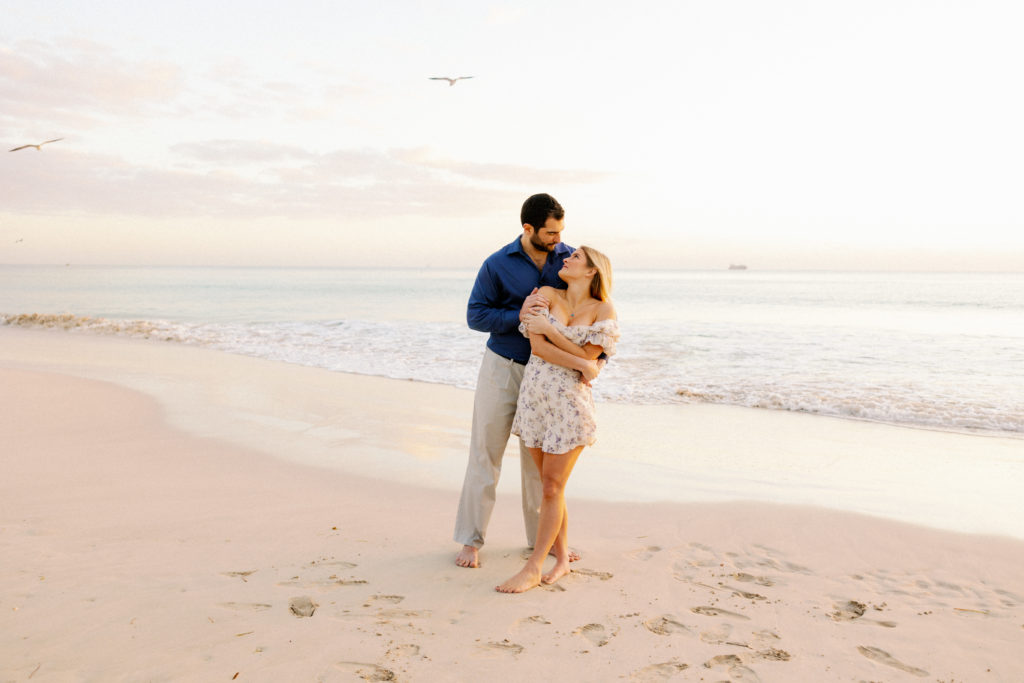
{"points": [[504, 291]]}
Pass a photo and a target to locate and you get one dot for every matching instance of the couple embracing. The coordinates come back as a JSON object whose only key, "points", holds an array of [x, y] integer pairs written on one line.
{"points": [[551, 321]]}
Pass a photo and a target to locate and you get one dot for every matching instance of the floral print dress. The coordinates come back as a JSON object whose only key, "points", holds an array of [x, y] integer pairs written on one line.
{"points": [[556, 409]]}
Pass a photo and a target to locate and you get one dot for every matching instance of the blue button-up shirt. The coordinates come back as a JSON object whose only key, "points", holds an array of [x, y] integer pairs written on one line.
{"points": [[505, 280]]}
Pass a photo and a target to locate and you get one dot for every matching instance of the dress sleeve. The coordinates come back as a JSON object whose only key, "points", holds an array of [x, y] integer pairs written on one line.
{"points": [[604, 333]]}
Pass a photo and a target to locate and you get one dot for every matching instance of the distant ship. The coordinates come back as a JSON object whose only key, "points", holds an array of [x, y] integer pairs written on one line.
{"points": [[737, 266]]}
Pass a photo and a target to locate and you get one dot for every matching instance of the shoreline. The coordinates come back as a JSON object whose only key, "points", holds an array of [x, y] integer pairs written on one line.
{"points": [[660, 453], [131, 550], [690, 453], [72, 324], [965, 384]]}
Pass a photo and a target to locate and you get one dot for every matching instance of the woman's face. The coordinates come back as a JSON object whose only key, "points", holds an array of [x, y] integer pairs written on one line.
{"points": [[575, 265]]}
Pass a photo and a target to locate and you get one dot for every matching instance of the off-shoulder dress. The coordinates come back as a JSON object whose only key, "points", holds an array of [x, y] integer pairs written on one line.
{"points": [[555, 411]]}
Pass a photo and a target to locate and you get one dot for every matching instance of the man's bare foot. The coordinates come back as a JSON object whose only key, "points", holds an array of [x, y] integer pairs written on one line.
{"points": [[469, 556], [526, 579], [560, 569]]}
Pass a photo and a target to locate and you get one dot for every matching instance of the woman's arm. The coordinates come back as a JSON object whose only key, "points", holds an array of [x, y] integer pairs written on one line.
{"points": [[540, 324], [544, 349]]}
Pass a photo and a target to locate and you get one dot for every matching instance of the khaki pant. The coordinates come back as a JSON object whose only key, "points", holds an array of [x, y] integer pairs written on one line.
{"points": [[494, 406]]}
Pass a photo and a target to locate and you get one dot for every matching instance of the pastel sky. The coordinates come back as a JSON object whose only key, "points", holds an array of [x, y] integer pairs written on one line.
{"points": [[867, 134]]}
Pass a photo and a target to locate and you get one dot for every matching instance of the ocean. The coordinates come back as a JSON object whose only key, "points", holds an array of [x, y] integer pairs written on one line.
{"points": [[929, 350]]}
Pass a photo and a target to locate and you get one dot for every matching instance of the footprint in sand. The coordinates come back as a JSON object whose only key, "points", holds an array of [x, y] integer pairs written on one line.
{"points": [[389, 599], [239, 575], [882, 657], [716, 612], [735, 667], [773, 654], [750, 578], [701, 556], [365, 671], [592, 573], [645, 554], [764, 637], [780, 565], [505, 647], [535, 620], [595, 633], [255, 606], [333, 563], [848, 611], [321, 584], [665, 626], [403, 614], [405, 650], [658, 672], [744, 594], [717, 635], [302, 606]]}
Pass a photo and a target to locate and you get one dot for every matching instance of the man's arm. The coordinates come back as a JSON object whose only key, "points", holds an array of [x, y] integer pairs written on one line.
{"points": [[482, 314]]}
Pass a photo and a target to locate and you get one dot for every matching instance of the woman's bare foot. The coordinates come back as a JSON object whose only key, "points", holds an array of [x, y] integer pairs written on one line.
{"points": [[574, 556], [560, 569], [527, 578], [469, 556]]}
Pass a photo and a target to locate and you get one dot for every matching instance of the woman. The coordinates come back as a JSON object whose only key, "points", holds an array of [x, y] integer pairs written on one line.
{"points": [[555, 413]]}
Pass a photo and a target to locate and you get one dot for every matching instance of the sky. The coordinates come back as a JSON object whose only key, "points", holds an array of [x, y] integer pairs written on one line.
{"points": [[781, 134]]}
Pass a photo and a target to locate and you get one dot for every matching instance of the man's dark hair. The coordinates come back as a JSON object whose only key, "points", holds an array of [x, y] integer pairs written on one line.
{"points": [[539, 208]]}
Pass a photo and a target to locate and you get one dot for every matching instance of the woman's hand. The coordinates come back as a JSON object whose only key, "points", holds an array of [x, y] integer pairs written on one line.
{"points": [[590, 370], [538, 323]]}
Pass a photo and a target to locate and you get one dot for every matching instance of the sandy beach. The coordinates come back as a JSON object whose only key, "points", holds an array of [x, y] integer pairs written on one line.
{"points": [[170, 513]]}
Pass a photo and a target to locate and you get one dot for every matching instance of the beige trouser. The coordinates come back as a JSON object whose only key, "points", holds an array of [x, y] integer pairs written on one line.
{"points": [[494, 406]]}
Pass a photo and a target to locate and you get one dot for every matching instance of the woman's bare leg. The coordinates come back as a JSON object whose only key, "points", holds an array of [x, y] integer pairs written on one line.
{"points": [[560, 550], [554, 472], [561, 545]]}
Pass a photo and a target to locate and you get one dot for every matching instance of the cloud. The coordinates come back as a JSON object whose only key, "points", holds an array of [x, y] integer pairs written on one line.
{"points": [[79, 83], [504, 173], [343, 184], [246, 178], [241, 152]]}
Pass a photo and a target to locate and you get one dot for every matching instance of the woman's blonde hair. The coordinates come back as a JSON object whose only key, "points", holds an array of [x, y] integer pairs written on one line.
{"points": [[601, 284]]}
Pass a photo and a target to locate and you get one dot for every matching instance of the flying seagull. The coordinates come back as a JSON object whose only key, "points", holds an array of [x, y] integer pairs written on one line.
{"points": [[39, 146], [451, 81]]}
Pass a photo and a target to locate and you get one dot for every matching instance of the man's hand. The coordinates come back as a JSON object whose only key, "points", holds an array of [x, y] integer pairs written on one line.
{"points": [[534, 304]]}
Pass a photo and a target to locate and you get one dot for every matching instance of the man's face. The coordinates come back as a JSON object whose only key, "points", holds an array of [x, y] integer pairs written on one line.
{"points": [[546, 237]]}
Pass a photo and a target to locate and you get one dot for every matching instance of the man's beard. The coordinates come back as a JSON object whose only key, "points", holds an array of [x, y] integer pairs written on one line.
{"points": [[538, 245]]}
